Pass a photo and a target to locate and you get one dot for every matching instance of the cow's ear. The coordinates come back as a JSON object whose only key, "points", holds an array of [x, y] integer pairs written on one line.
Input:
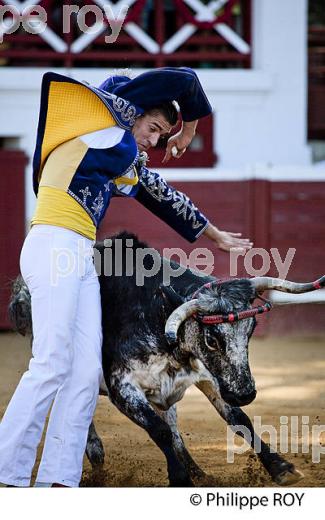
{"points": [[171, 296]]}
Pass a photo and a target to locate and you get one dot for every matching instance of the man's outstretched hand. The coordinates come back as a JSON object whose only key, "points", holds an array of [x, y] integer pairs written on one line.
{"points": [[227, 240]]}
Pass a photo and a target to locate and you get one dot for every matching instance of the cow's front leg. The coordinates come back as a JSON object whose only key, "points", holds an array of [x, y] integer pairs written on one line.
{"points": [[94, 448], [281, 471], [131, 401], [170, 416]]}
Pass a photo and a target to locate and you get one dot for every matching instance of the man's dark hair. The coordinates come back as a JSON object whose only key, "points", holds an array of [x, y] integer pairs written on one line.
{"points": [[168, 110]]}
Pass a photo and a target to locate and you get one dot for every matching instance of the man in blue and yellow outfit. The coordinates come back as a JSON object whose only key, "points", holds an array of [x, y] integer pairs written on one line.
{"points": [[89, 146]]}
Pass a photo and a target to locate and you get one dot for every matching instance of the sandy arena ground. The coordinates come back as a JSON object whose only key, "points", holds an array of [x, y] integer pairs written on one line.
{"points": [[290, 379]]}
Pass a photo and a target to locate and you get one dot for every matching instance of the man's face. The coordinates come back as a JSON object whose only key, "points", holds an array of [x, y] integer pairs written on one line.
{"points": [[148, 128]]}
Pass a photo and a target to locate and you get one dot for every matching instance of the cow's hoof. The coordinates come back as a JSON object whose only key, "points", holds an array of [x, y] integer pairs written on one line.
{"points": [[289, 477], [95, 453], [197, 473]]}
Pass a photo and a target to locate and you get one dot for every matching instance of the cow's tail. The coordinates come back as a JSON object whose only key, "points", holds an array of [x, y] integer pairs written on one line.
{"points": [[20, 307]]}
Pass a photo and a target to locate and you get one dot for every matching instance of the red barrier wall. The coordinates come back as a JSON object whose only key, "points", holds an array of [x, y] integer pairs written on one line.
{"points": [[278, 215], [12, 223]]}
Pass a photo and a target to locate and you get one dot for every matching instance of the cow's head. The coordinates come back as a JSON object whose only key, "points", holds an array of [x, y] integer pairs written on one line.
{"points": [[222, 344], [221, 347]]}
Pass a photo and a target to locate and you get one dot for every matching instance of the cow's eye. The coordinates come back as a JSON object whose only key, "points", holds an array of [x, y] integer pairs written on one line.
{"points": [[210, 340], [210, 347]]}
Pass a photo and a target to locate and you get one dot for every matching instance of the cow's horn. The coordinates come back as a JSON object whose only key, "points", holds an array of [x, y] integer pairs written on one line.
{"points": [[177, 317], [264, 283]]}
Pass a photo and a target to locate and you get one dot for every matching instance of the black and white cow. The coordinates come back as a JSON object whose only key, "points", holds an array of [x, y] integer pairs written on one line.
{"points": [[159, 340]]}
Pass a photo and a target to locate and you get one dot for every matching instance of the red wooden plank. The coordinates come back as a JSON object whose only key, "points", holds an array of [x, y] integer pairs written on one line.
{"points": [[120, 55], [12, 223]]}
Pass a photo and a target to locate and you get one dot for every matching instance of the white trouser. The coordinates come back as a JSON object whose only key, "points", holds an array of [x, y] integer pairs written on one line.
{"points": [[66, 365]]}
